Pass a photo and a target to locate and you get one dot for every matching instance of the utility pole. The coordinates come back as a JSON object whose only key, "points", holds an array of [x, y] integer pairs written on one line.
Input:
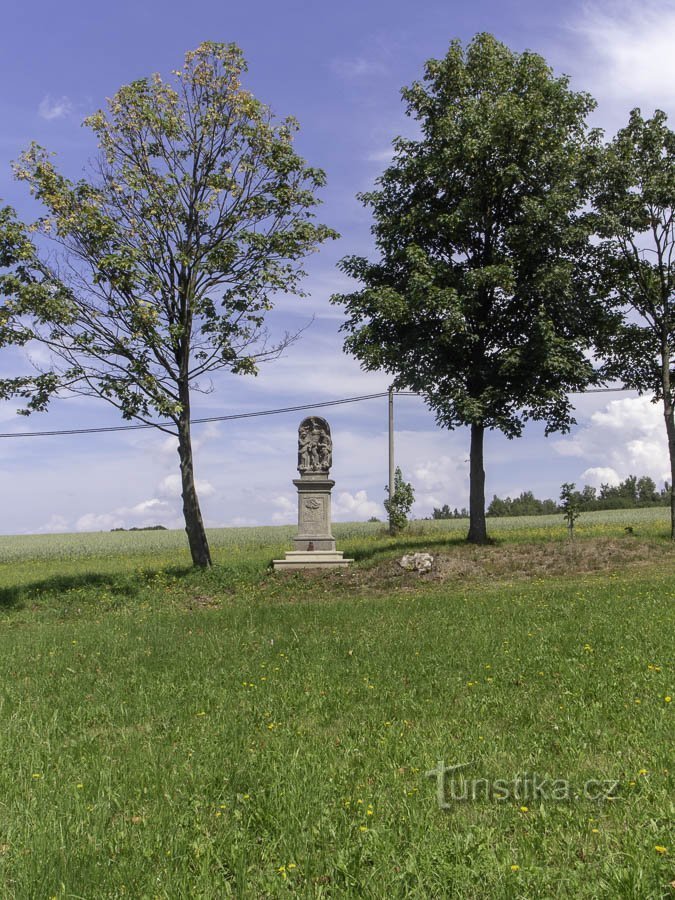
{"points": [[391, 458]]}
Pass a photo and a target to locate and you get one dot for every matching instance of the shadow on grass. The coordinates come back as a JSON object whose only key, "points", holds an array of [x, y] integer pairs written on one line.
{"points": [[393, 547], [123, 586]]}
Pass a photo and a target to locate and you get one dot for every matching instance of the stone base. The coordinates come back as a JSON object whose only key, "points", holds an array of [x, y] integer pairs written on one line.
{"points": [[312, 559], [307, 544]]}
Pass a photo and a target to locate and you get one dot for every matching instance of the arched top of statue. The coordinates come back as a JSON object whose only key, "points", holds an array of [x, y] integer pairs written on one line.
{"points": [[315, 447]]}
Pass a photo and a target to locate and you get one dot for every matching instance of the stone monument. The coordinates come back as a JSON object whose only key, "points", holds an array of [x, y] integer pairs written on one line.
{"points": [[314, 544]]}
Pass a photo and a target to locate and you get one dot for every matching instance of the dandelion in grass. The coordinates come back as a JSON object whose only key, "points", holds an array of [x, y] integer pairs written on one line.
{"points": [[515, 868], [661, 850]]}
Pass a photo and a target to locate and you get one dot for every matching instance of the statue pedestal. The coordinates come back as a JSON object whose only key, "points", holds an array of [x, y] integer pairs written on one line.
{"points": [[314, 525], [314, 544]]}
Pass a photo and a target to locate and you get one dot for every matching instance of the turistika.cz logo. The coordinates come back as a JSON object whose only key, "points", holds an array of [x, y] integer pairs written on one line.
{"points": [[452, 787]]}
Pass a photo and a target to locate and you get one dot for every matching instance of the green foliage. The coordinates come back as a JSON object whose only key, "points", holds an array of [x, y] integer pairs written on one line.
{"points": [[474, 301], [634, 202], [569, 506], [444, 512], [399, 505], [524, 505], [198, 211], [28, 290], [632, 493]]}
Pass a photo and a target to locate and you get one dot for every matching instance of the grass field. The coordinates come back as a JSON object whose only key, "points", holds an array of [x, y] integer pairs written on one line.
{"points": [[169, 733]]}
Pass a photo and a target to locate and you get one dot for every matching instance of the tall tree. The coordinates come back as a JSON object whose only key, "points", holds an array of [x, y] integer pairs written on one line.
{"points": [[635, 205], [198, 210], [474, 300]]}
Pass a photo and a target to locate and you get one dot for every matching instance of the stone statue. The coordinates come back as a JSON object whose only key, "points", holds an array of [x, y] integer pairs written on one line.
{"points": [[315, 447], [314, 543]]}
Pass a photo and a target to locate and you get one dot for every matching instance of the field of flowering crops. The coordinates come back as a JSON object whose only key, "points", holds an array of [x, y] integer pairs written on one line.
{"points": [[146, 543]]}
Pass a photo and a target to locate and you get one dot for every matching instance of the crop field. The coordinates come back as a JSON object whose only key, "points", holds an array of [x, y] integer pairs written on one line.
{"points": [[168, 733], [14, 548]]}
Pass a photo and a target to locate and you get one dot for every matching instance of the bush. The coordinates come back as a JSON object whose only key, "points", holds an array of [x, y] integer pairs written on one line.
{"points": [[400, 504]]}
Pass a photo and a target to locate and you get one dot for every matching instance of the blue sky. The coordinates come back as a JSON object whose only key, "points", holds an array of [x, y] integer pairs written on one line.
{"points": [[338, 68]]}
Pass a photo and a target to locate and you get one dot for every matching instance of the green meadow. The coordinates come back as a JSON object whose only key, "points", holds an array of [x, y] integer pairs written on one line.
{"points": [[167, 733]]}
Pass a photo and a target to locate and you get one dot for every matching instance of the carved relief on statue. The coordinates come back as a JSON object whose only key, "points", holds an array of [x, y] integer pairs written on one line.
{"points": [[313, 509], [315, 447]]}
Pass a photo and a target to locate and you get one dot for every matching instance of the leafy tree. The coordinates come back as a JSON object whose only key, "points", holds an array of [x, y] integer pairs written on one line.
{"points": [[635, 205], [444, 512], [198, 210], [524, 505], [570, 506], [399, 505], [646, 491], [499, 507], [587, 497], [474, 299]]}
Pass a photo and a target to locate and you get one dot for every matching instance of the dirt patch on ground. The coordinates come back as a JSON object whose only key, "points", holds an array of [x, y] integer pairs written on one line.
{"points": [[202, 601], [498, 562]]}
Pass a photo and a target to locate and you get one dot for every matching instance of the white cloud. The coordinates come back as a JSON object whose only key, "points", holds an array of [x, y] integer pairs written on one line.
{"points": [[438, 481], [55, 525], [287, 510], [145, 506], [99, 522], [243, 522], [627, 437], [355, 507], [148, 512], [598, 475], [54, 108], [626, 58], [171, 486], [569, 447]]}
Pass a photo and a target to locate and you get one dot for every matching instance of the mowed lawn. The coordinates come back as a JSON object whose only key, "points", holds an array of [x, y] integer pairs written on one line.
{"points": [[167, 733]]}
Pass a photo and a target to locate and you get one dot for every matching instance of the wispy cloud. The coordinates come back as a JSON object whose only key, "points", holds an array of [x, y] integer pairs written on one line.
{"points": [[627, 53], [385, 155], [51, 108], [357, 67]]}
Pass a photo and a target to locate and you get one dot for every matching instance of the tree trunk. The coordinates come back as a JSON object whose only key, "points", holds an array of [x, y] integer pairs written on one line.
{"points": [[668, 415], [194, 525], [477, 527], [670, 430]]}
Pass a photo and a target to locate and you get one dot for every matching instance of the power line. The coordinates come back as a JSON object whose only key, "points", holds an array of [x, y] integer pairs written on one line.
{"points": [[249, 415], [202, 421]]}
